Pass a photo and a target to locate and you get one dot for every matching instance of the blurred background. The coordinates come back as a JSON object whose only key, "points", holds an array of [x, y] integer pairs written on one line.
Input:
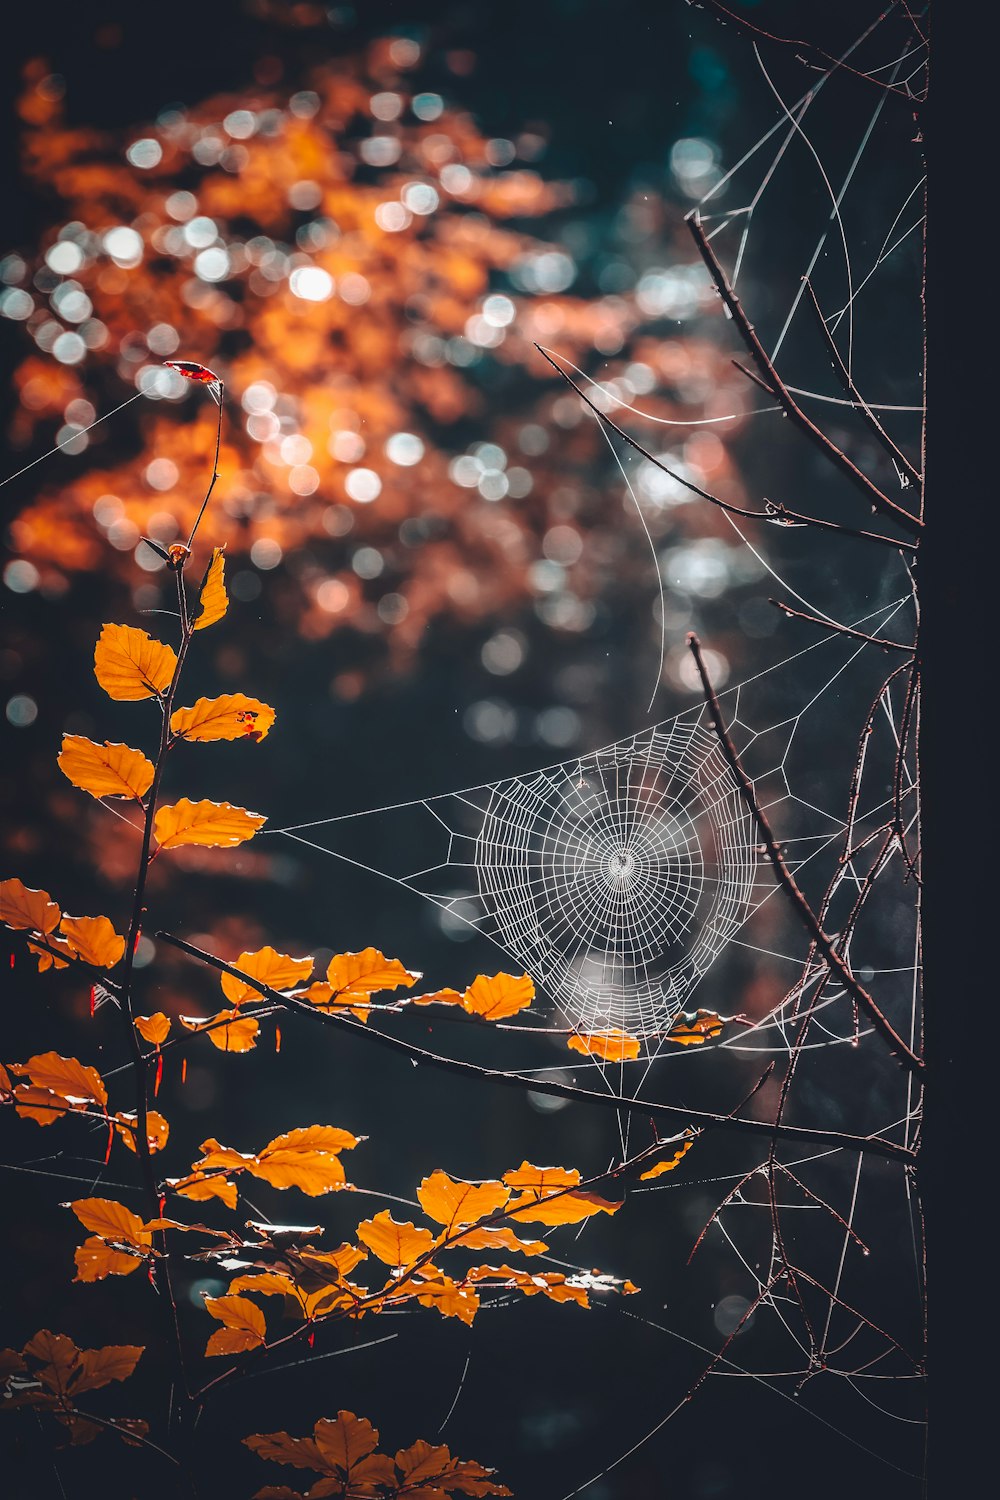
{"points": [[363, 218]]}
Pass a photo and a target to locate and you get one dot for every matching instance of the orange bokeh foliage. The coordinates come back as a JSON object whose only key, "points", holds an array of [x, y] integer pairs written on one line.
{"points": [[365, 282]]}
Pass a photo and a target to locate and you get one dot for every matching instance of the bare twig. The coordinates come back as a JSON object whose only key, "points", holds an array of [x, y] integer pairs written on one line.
{"points": [[851, 391], [857, 635], [786, 880], [772, 381], [775, 513]]}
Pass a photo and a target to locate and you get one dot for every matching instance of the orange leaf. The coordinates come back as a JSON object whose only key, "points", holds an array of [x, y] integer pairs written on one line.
{"points": [[129, 664], [439, 997], [231, 717], [244, 1328], [695, 1029], [22, 907], [501, 1238], [280, 1448], [228, 1030], [95, 1259], [548, 1196], [670, 1162], [203, 1188], [157, 1129], [541, 1179], [306, 1158], [153, 1028], [397, 1245], [454, 1203], [354, 976], [277, 970], [213, 599], [430, 1472], [75, 1082], [612, 1046], [450, 1299], [51, 955], [216, 825], [105, 770], [346, 1440], [112, 1221], [100, 1366], [93, 939], [503, 995]]}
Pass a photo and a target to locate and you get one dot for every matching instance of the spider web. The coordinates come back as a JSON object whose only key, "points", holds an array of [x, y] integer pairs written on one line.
{"points": [[628, 879]]}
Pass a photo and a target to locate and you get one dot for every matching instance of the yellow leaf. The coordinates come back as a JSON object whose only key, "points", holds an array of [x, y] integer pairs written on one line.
{"points": [[112, 1221], [398, 1245], [696, 1029], [129, 664], [105, 770], [438, 997], [355, 976], [669, 1163], [93, 939], [244, 1325], [75, 1082], [234, 716], [157, 1129], [454, 1203], [612, 1046], [213, 599], [216, 825], [24, 908], [503, 995], [154, 1028], [96, 1259], [277, 970]]}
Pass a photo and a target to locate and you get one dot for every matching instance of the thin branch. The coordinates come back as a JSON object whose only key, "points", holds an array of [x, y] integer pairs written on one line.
{"points": [[774, 513], [850, 390], [770, 379], [857, 635], [824, 61], [786, 880], [704, 1118]]}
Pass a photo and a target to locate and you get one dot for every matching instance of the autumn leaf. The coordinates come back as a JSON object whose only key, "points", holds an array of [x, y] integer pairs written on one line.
{"points": [[503, 995], [112, 1221], [454, 1204], [346, 1440], [23, 908], [612, 1046], [213, 598], [429, 1471], [244, 1326], [277, 970], [694, 1029], [100, 1366], [306, 1158], [444, 1294], [502, 1237], [95, 1259], [56, 1085], [215, 825], [157, 1129], [154, 1028], [105, 770], [668, 1163], [93, 939], [129, 664], [227, 1030], [234, 716], [354, 976], [548, 1196], [438, 997], [397, 1245]]}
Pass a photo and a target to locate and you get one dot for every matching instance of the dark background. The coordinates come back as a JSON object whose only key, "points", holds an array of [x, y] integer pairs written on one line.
{"points": [[548, 1395]]}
